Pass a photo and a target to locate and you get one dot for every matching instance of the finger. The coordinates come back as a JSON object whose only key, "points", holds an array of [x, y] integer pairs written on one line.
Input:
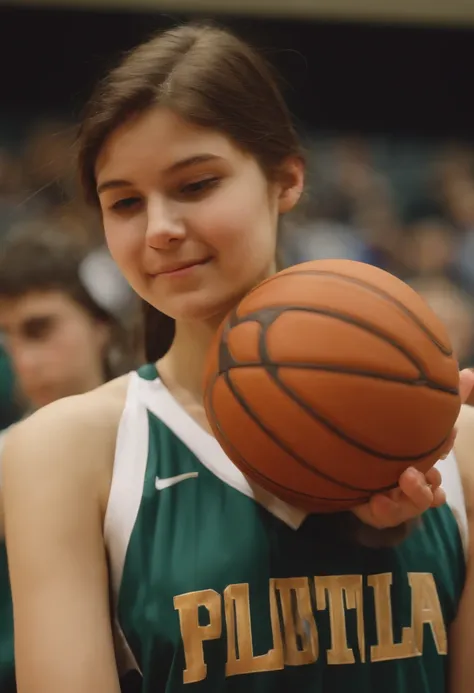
{"points": [[466, 384], [381, 512], [419, 495], [416, 494], [412, 497], [433, 478], [439, 498]]}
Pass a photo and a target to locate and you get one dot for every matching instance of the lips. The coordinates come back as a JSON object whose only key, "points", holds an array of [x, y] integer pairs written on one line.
{"points": [[182, 266]]}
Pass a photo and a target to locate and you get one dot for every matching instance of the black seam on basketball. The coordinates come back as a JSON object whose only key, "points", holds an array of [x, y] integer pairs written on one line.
{"points": [[266, 317], [316, 416], [344, 436], [370, 287], [342, 370], [299, 460], [244, 464]]}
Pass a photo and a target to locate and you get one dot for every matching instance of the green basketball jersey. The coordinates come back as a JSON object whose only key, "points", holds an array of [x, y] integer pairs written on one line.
{"points": [[7, 662], [219, 586]]}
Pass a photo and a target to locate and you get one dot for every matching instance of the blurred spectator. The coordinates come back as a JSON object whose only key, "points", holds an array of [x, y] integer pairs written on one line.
{"points": [[456, 309], [61, 315], [455, 185], [428, 248]]}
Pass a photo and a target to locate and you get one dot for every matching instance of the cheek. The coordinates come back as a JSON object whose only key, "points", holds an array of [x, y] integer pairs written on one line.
{"points": [[69, 344], [77, 340], [238, 224]]}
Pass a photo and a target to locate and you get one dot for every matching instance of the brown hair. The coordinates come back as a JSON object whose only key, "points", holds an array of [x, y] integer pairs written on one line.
{"points": [[212, 79], [35, 259]]}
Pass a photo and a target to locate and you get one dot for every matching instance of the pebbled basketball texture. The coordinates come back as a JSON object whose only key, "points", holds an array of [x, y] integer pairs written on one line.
{"points": [[328, 380]]}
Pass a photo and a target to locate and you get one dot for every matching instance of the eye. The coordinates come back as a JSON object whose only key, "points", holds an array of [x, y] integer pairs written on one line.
{"points": [[200, 186], [39, 328], [126, 204]]}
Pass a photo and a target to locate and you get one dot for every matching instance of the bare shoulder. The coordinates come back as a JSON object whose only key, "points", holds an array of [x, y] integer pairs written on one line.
{"points": [[465, 418], [96, 413], [461, 636], [74, 436], [464, 450]]}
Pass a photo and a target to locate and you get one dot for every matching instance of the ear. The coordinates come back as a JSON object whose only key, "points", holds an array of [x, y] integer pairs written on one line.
{"points": [[291, 183]]}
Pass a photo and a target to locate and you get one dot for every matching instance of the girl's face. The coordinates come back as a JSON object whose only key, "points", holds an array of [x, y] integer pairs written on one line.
{"points": [[190, 219]]}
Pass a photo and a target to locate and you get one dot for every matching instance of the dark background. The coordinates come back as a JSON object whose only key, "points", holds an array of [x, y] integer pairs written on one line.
{"points": [[360, 77]]}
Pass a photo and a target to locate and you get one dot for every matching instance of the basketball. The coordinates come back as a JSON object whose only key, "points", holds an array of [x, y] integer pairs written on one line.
{"points": [[327, 381]]}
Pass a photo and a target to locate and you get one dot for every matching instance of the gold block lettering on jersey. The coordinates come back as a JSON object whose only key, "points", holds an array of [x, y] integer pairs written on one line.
{"points": [[386, 648], [295, 639], [193, 634], [340, 589], [240, 656], [300, 635], [427, 609]]}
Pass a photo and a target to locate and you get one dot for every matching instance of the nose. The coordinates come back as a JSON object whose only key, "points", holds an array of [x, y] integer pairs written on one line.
{"points": [[164, 226]]}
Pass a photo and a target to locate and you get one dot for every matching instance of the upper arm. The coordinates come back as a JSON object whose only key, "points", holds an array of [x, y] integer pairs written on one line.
{"points": [[57, 562], [461, 659]]}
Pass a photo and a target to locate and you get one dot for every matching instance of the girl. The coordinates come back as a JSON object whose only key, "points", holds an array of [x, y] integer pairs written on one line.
{"points": [[215, 585]]}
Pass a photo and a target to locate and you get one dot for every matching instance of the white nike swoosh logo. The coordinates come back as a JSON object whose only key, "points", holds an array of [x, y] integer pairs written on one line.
{"points": [[161, 484]]}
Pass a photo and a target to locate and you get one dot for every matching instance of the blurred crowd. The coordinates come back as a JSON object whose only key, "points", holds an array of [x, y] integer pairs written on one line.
{"points": [[38, 181], [68, 320], [406, 206]]}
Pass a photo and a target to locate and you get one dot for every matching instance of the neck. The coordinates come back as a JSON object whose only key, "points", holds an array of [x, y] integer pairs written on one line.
{"points": [[182, 368]]}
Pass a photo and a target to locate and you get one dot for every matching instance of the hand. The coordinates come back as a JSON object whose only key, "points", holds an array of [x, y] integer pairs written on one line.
{"points": [[416, 492]]}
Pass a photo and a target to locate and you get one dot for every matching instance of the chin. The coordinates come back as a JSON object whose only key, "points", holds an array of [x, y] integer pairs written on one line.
{"points": [[209, 311], [204, 315]]}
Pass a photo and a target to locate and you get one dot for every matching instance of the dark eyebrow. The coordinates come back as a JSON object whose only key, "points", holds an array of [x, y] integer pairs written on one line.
{"points": [[192, 161], [111, 184], [183, 163]]}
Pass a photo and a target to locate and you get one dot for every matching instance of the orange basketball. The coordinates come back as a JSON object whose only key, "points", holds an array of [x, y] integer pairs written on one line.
{"points": [[328, 380]]}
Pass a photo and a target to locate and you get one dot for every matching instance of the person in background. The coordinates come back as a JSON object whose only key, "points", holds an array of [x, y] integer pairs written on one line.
{"points": [[59, 321], [59, 308]]}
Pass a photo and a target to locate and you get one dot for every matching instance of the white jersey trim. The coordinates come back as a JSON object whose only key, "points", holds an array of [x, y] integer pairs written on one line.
{"points": [[452, 485], [163, 405], [131, 453]]}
